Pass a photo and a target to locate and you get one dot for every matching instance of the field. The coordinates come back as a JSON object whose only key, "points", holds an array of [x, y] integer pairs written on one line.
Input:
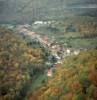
{"points": [[77, 31]]}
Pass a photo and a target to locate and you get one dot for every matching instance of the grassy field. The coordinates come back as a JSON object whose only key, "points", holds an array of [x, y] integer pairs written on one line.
{"points": [[71, 30]]}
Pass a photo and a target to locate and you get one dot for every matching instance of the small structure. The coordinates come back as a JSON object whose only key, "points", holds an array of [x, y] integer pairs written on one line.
{"points": [[49, 73], [42, 22], [57, 57], [68, 51], [48, 63], [58, 62], [38, 22], [76, 52]]}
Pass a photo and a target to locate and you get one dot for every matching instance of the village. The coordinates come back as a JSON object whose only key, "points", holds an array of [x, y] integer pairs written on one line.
{"points": [[57, 52]]}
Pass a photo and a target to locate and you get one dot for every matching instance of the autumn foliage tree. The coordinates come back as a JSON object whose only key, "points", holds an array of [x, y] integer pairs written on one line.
{"points": [[75, 79], [17, 62]]}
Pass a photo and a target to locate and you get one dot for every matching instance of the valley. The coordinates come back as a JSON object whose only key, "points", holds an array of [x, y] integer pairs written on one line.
{"points": [[47, 45], [48, 50]]}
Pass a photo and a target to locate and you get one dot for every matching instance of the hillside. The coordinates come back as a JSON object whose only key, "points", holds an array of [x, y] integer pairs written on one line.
{"points": [[19, 65], [75, 79], [27, 11]]}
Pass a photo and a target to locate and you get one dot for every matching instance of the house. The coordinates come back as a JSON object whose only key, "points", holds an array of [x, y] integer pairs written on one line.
{"points": [[49, 73], [57, 57], [68, 51], [59, 62], [38, 22], [76, 52], [48, 63]]}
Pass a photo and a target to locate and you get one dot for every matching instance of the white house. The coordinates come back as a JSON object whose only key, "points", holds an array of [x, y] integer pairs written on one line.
{"points": [[42, 22], [49, 73], [68, 51], [59, 62], [48, 63], [38, 22], [76, 52]]}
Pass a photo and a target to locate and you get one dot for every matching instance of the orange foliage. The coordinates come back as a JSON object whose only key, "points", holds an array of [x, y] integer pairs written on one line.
{"points": [[75, 86], [95, 94], [93, 77], [68, 96], [55, 92]]}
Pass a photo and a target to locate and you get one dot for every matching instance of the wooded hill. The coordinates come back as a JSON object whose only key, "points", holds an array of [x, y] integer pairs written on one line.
{"points": [[75, 79], [18, 65]]}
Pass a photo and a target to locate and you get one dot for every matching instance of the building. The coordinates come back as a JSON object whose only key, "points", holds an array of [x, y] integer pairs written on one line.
{"points": [[49, 73], [76, 52]]}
